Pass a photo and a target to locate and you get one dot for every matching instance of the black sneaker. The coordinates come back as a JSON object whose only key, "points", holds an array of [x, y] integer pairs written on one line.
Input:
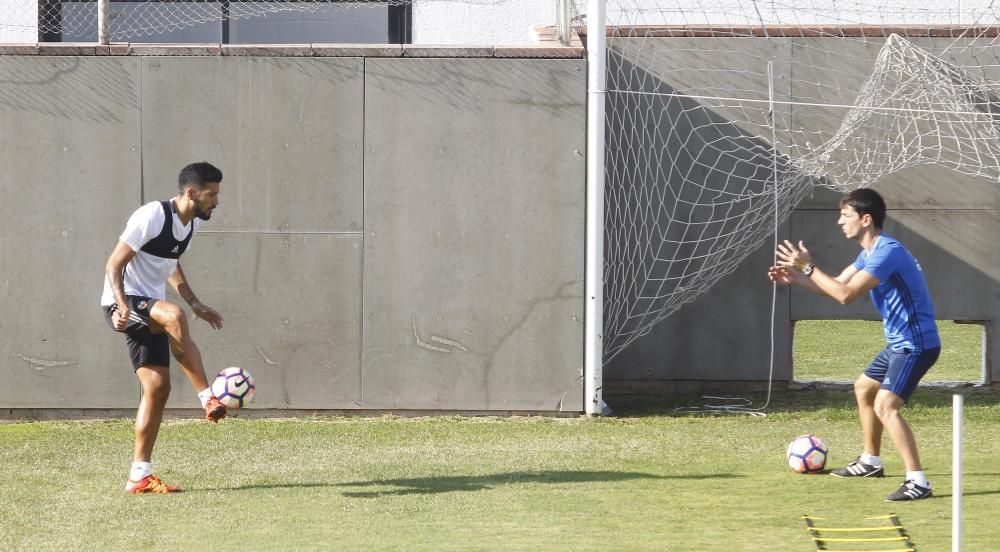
{"points": [[909, 491], [858, 468]]}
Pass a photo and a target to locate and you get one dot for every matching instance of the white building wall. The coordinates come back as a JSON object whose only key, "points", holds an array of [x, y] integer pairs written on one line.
{"points": [[503, 22], [480, 22], [18, 21], [799, 12], [513, 21]]}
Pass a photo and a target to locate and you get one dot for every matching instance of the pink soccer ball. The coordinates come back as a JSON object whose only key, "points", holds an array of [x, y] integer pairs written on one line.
{"points": [[807, 454], [234, 387]]}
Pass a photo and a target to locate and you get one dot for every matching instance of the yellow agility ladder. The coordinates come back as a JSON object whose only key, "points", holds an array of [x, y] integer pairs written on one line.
{"points": [[825, 537]]}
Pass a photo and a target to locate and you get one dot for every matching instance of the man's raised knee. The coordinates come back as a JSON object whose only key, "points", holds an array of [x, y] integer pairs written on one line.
{"points": [[171, 316]]}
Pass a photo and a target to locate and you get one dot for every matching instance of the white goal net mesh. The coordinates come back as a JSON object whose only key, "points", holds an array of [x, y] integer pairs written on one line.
{"points": [[722, 115]]}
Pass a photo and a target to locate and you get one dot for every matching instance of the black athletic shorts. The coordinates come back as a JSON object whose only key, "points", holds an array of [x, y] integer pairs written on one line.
{"points": [[144, 347]]}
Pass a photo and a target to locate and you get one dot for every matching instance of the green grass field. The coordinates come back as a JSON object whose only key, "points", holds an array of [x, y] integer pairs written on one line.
{"points": [[647, 479], [849, 345]]}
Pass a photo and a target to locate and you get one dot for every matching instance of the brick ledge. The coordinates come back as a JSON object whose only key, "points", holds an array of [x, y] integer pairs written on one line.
{"points": [[544, 50]]}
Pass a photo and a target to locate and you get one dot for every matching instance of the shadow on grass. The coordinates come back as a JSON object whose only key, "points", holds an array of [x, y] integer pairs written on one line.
{"points": [[636, 405], [463, 483], [973, 493], [448, 484]]}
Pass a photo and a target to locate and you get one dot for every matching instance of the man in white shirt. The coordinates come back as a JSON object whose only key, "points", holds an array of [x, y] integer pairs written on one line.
{"points": [[134, 303]]}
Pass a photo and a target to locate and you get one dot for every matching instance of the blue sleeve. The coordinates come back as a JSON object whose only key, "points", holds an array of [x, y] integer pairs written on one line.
{"points": [[882, 262], [859, 263]]}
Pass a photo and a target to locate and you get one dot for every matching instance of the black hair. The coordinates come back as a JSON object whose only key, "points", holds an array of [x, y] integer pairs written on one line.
{"points": [[866, 202], [198, 175]]}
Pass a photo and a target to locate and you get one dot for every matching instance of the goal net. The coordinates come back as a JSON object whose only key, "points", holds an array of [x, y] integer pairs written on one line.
{"points": [[723, 114]]}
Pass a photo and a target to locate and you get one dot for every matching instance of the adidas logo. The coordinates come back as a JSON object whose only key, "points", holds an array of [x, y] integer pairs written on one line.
{"points": [[175, 249]]}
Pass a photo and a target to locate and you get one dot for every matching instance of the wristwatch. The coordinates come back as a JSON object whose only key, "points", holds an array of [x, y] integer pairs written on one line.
{"points": [[808, 269]]}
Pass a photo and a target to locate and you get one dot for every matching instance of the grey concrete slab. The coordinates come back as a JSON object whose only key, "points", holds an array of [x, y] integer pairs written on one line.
{"points": [[286, 133], [956, 249], [712, 72], [724, 335], [959, 254], [357, 50], [84, 49], [27, 49], [268, 50], [926, 187], [837, 80], [446, 51], [170, 49], [691, 185], [474, 220], [292, 309], [69, 148], [832, 252], [831, 80], [539, 51]]}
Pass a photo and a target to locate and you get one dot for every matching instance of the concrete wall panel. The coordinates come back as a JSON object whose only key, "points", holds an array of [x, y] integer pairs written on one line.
{"points": [[474, 220], [474, 270], [437, 265], [69, 152], [292, 309], [725, 335], [923, 187], [955, 248], [286, 133]]}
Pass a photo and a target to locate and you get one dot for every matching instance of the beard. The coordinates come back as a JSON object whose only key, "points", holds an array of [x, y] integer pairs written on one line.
{"points": [[202, 213]]}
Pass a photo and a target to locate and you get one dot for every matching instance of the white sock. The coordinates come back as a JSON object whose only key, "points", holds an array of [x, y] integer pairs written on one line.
{"points": [[871, 459], [140, 470], [918, 477], [204, 395]]}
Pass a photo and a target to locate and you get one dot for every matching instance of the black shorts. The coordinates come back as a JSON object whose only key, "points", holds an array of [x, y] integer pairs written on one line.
{"points": [[145, 348]]}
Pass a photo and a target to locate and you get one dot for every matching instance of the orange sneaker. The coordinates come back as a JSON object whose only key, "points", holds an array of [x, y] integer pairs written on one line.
{"points": [[150, 484], [214, 410]]}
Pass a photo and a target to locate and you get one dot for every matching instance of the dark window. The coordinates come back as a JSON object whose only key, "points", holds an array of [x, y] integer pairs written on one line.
{"points": [[225, 22]]}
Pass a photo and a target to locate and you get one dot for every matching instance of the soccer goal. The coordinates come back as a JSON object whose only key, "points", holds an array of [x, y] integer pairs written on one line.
{"points": [[722, 115]]}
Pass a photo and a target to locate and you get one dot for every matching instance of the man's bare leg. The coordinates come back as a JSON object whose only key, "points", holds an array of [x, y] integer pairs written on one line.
{"points": [[170, 319], [887, 405], [155, 381], [868, 464], [865, 391]]}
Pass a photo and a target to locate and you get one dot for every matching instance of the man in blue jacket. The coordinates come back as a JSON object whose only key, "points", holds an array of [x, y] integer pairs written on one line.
{"points": [[892, 277]]}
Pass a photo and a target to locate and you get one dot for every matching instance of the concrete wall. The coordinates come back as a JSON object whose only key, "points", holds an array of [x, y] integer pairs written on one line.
{"points": [[393, 233], [71, 168], [950, 221]]}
